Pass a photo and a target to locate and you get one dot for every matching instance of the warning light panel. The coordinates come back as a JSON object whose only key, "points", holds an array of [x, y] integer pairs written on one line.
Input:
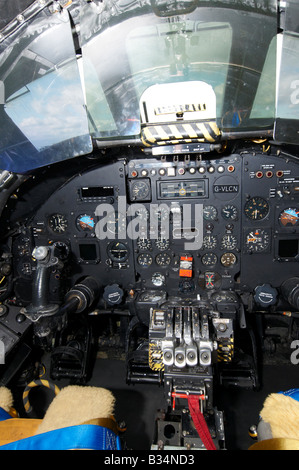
{"points": [[186, 266]]}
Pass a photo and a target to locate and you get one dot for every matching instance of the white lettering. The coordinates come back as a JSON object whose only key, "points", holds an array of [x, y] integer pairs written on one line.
{"points": [[132, 461], [2, 352], [295, 94], [2, 93], [295, 354]]}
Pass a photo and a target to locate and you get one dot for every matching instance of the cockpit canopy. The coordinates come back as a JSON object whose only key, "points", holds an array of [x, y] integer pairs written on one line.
{"points": [[104, 70]]}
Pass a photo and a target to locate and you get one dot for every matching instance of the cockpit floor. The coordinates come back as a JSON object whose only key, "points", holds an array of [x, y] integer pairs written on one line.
{"points": [[137, 405]]}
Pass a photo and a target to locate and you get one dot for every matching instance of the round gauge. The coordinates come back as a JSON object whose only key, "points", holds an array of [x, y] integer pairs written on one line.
{"points": [[118, 252], [209, 259], [161, 212], [144, 244], [61, 250], [116, 223], [158, 279], [145, 260], [257, 240], [209, 242], [228, 259], [58, 223], [162, 243], [210, 213], [289, 217], [256, 208], [85, 223], [163, 259], [140, 190], [229, 242], [229, 212], [142, 213]]}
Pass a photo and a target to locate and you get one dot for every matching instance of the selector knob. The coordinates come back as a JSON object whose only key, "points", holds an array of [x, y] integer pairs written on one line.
{"points": [[265, 295], [113, 294]]}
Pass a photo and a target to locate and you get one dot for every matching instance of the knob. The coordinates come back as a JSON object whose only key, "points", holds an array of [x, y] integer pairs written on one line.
{"points": [[113, 294], [265, 295]]}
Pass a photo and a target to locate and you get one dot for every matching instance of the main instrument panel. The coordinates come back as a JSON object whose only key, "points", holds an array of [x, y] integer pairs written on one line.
{"points": [[172, 226]]}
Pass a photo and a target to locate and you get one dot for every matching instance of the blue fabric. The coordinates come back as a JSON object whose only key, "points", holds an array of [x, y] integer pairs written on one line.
{"points": [[4, 415], [292, 393], [85, 436]]}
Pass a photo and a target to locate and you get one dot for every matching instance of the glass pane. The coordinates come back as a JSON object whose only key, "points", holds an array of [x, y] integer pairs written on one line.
{"points": [[286, 128], [42, 111], [170, 41]]}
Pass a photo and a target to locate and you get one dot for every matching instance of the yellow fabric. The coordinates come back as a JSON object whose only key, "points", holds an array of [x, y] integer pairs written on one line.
{"points": [[282, 414], [276, 444], [15, 429]]}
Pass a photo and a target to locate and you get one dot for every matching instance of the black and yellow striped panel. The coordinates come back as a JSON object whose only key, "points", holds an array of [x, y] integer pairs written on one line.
{"points": [[155, 356], [177, 133], [226, 350], [37, 383]]}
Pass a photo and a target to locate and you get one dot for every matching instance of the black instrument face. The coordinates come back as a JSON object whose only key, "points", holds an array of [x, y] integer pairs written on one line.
{"points": [[256, 208], [58, 223], [257, 240], [134, 231]]}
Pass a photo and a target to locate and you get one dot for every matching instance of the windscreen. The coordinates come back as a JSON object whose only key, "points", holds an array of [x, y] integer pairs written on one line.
{"points": [[128, 47], [42, 110], [51, 110], [287, 113]]}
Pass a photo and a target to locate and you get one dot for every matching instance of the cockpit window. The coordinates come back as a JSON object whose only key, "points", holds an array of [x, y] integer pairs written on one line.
{"points": [[286, 127], [42, 110], [229, 47], [54, 102]]}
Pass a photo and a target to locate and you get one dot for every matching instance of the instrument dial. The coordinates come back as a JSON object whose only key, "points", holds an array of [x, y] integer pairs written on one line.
{"points": [[144, 244], [163, 259], [209, 242], [61, 250], [116, 223], [161, 213], [143, 214], [289, 217], [158, 279], [210, 213], [58, 223], [85, 223], [162, 243], [228, 259], [256, 208], [140, 190], [229, 212], [229, 242], [209, 259], [257, 240], [118, 252], [144, 260]]}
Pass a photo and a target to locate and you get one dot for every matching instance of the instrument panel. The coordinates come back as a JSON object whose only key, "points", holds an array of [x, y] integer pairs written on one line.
{"points": [[180, 225]]}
